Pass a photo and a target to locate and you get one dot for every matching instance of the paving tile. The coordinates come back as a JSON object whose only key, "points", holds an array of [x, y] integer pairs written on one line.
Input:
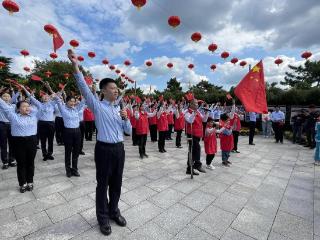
{"points": [[137, 195], [295, 206], [214, 188], [214, 221], [186, 186], [6, 216], [135, 182], [150, 231], [232, 234], [241, 190], [277, 236], [53, 188], [193, 232], [78, 191], [198, 200], [230, 202], [167, 198], [13, 198], [161, 184]]}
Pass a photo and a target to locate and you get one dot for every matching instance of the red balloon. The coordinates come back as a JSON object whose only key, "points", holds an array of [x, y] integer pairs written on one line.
{"points": [[27, 69], [212, 47], [139, 3], [149, 63], [80, 58], [91, 54], [306, 55], [174, 21], [24, 53], [53, 55], [66, 75], [243, 63], [127, 63], [169, 65], [190, 66], [196, 37], [225, 55], [48, 74], [74, 43], [50, 29], [278, 61], [105, 61], [10, 6], [213, 67], [2, 64], [234, 60], [112, 67], [118, 71]]}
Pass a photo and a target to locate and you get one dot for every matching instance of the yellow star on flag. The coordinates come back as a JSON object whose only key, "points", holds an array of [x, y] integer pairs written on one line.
{"points": [[255, 69]]}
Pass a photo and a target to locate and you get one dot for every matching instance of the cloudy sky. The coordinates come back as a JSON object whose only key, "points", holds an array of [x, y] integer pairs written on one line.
{"points": [[114, 29]]}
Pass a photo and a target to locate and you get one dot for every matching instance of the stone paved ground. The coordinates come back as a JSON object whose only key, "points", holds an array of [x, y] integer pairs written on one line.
{"points": [[270, 192]]}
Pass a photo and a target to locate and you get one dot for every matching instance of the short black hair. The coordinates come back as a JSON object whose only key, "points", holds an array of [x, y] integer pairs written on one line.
{"points": [[20, 102], [105, 82], [68, 98], [224, 117]]}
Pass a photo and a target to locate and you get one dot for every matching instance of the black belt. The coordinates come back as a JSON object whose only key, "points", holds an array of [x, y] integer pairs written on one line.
{"points": [[25, 137], [109, 144], [7, 123]]}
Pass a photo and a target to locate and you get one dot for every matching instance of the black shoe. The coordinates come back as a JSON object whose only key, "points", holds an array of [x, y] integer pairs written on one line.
{"points": [[141, 156], [201, 169], [69, 174], [50, 157], [161, 151], [145, 155], [252, 144], [179, 146], [5, 166], [229, 162], [29, 186], [45, 158], [13, 164], [23, 188], [164, 150], [120, 220], [105, 229], [307, 145], [189, 172], [313, 147], [82, 153], [225, 164], [233, 151], [75, 173]]}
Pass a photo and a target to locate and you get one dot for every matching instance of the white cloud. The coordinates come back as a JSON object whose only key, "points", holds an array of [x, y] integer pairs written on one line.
{"points": [[19, 62], [148, 89]]}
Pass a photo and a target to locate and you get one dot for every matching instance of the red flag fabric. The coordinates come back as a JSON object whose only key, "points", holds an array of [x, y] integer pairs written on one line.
{"points": [[57, 41], [189, 96], [89, 80], [138, 100], [229, 96], [251, 90], [36, 78], [61, 86]]}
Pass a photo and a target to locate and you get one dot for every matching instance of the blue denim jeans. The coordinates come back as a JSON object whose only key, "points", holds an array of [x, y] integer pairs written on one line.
{"points": [[225, 156]]}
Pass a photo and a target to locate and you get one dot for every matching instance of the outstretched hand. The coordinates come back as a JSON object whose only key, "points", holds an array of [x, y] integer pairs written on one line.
{"points": [[74, 60]]}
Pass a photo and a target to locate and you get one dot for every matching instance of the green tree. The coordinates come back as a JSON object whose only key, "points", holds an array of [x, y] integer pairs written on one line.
{"points": [[5, 72], [209, 92], [173, 90], [304, 76]]}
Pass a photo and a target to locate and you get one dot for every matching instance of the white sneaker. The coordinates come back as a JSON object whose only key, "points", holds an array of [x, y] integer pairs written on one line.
{"points": [[211, 167]]}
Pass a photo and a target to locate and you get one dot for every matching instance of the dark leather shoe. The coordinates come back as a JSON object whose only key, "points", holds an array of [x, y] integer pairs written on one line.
{"points": [[50, 157], [23, 188], [120, 220], [75, 173], [189, 172], [201, 169], [145, 155], [30, 187], [5, 166], [105, 229], [82, 153], [141, 156], [164, 150], [252, 144], [68, 174], [13, 164]]}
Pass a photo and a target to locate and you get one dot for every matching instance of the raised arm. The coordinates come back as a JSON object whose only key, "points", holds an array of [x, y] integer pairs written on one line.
{"points": [[7, 110], [190, 117]]}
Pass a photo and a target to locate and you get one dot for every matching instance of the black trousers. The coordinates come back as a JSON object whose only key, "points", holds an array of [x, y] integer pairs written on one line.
{"points": [[142, 144], [109, 159], [153, 132], [169, 132], [89, 128], [25, 149], [162, 140], [209, 158], [178, 138], [278, 131], [311, 133], [235, 140], [5, 138], [252, 128], [46, 133], [134, 137], [72, 141], [196, 151], [59, 130], [82, 130]]}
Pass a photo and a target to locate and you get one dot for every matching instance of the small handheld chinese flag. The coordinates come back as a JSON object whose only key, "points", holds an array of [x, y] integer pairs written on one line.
{"points": [[57, 41], [36, 78], [251, 90], [189, 96], [229, 96], [61, 86], [88, 80]]}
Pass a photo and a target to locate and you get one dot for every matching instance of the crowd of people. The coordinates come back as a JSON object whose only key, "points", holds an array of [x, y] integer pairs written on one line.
{"points": [[25, 121]]}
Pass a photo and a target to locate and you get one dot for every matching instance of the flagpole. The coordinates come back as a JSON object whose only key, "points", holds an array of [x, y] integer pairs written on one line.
{"points": [[135, 88]]}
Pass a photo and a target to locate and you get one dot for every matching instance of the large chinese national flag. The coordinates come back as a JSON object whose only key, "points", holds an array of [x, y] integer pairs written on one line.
{"points": [[251, 90]]}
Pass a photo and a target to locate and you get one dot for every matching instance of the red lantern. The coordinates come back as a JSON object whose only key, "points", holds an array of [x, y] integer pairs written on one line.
{"points": [[127, 63], [225, 55], [74, 43], [24, 53], [112, 67], [66, 76], [91, 54], [190, 66], [306, 55], [212, 47], [174, 21], [169, 65], [234, 60], [11, 6], [27, 69], [196, 37], [126, 78], [123, 75], [50, 29], [80, 58], [53, 55], [243, 63], [149, 63], [118, 71], [2, 64], [48, 74], [105, 61], [278, 61], [139, 3], [213, 67]]}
